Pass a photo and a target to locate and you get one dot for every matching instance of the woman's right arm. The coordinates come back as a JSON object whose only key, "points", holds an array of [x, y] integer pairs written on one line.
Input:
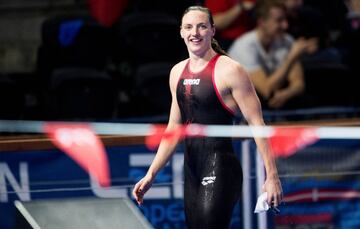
{"points": [[166, 148]]}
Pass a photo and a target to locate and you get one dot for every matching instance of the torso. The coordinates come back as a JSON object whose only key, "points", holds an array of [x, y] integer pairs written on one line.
{"points": [[212, 173], [199, 97], [248, 51]]}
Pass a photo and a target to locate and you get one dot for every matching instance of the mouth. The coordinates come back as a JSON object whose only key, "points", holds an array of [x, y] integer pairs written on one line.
{"points": [[196, 40]]}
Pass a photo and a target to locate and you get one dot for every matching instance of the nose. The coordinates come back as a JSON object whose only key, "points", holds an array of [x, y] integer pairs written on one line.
{"points": [[285, 24], [195, 31]]}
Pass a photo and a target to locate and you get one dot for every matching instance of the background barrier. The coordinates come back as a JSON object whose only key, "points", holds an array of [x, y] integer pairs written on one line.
{"points": [[321, 182]]}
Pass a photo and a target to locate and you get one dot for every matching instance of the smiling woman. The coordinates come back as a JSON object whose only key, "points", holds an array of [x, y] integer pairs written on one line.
{"points": [[204, 26], [209, 88]]}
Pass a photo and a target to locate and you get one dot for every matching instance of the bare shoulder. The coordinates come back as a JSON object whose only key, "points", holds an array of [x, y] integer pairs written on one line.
{"points": [[179, 66], [176, 71], [229, 68]]}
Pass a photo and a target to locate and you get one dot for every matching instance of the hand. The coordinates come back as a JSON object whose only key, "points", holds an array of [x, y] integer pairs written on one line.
{"points": [[302, 45], [246, 4], [141, 188], [274, 191], [298, 48], [312, 45], [278, 99]]}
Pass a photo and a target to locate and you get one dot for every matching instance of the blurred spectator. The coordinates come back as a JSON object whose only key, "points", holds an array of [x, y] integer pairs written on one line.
{"points": [[333, 12], [107, 12], [271, 57], [305, 21], [308, 22], [232, 18], [351, 34], [353, 10], [173, 7]]}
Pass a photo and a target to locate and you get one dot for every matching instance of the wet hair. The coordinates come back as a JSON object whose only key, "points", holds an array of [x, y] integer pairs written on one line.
{"points": [[263, 7], [214, 44]]}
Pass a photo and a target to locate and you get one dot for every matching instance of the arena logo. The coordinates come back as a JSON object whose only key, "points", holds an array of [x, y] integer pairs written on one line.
{"points": [[208, 180], [191, 81]]}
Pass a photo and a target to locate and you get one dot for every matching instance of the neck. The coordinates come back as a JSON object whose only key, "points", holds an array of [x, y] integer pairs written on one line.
{"points": [[198, 61], [264, 39]]}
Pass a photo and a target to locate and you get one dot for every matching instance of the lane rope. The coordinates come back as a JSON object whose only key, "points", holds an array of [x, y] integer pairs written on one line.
{"points": [[136, 129]]}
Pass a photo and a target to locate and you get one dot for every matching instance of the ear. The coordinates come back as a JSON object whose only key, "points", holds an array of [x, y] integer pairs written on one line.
{"points": [[260, 22], [181, 32], [214, 31]]}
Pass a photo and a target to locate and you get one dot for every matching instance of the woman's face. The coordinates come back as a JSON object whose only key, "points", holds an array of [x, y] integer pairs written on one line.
{"points": [[197, 32]]}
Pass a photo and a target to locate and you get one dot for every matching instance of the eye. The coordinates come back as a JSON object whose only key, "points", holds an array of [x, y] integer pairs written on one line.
{"points": [[203, 26], [187, 27]]}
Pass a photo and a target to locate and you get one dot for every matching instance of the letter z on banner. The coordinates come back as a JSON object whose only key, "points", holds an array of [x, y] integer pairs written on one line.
{"points": [[80, 143]]}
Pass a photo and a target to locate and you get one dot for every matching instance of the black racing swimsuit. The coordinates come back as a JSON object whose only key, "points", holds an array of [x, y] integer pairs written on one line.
{"points": [[213, 175]]}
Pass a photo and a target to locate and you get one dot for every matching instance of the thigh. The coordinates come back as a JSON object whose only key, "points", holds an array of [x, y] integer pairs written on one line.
{"points": [[218, 191], [191, 190], [216, 202]]}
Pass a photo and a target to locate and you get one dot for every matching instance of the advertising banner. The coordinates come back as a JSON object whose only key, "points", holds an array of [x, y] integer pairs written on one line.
{"points": [[49, 174], [321, 184]]}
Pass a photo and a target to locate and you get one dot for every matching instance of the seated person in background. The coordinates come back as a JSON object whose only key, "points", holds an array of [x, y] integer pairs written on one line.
{"points": [[232, 18], [350, 40], [272, 57], [308, 22], [353, 7], [305, 21]]}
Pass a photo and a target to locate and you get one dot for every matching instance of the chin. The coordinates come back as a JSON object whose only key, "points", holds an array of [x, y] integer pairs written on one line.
{"points": [[196, 50], [279, 35]]}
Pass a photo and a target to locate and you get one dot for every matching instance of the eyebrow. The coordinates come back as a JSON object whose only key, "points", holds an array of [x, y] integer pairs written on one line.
{"points": [[201, 23]]}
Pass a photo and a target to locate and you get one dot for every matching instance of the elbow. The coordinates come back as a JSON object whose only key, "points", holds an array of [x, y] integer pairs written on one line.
{"points": [[222, 20], [268, 90], [258, 121], [302, 88], [219, 23], [171, 126], [265, 92], [262, 89]]}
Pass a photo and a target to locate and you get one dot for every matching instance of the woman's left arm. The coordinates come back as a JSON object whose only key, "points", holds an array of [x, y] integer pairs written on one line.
{"points": [[243, 92]]}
